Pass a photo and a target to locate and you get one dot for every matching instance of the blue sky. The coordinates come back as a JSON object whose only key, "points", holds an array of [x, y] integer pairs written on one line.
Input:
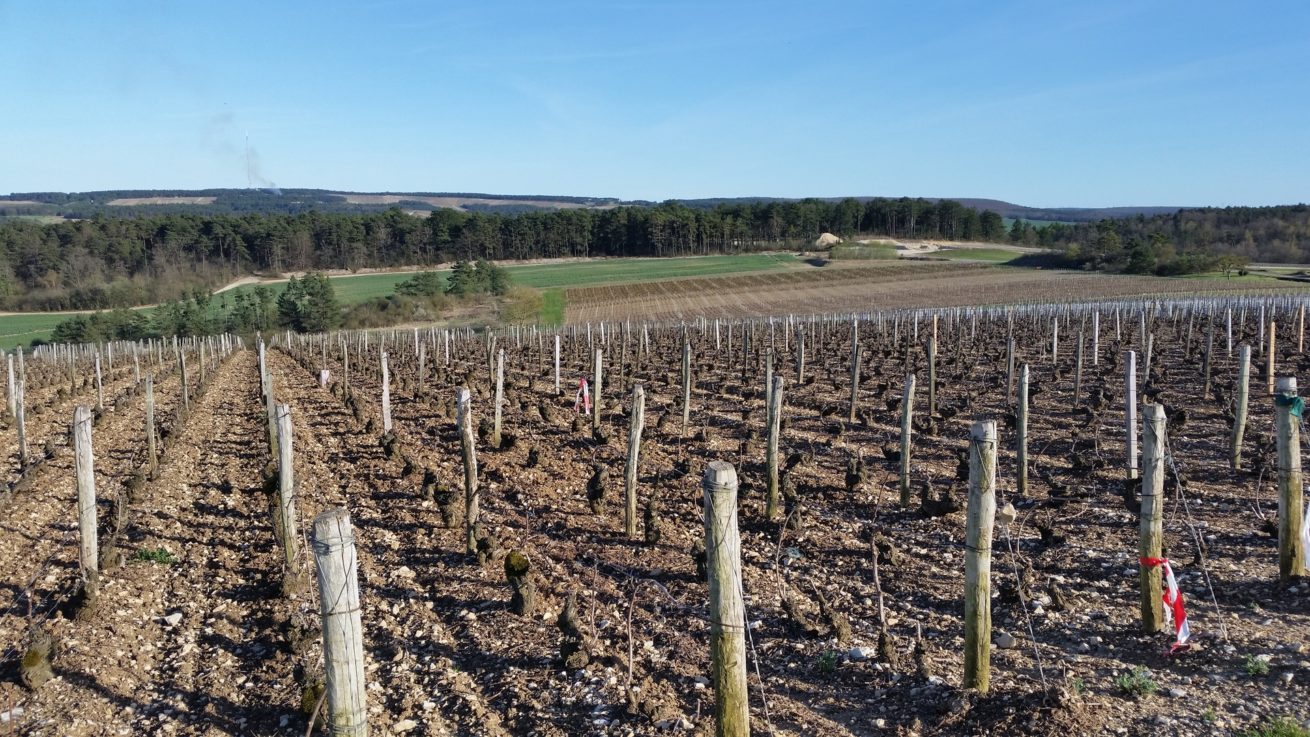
{"points": [[1040, 103]]}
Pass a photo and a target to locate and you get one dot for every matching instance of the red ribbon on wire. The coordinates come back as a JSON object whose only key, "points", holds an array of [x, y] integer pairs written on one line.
{"points": [[1173, 602]]}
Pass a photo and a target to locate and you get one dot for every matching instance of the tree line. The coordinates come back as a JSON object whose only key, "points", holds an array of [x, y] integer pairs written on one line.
{"points": [[1187, 241], [105, 262]]}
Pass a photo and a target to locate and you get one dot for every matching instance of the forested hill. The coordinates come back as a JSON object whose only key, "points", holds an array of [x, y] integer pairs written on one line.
{"points": [[104, 261]]}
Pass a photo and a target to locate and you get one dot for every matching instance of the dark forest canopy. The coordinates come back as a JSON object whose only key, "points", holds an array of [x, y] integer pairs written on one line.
{"points": [[105, 262]]}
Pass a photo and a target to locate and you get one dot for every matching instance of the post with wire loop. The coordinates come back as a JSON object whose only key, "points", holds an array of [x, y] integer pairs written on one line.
{"points": [[981, 515], [1291, 547], [286, 508], [86, 493], [727, 611], [343, 632], [1151, 519]]}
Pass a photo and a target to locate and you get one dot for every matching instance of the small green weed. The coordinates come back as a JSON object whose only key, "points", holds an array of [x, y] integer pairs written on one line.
{"points": [[1137, 683], [1280, 727], [1079, 686], [828, 661], [1255, 666], [1209, 716], [155, 555]]}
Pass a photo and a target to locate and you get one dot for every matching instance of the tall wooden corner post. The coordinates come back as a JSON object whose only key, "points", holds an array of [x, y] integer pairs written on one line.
{"points": [[1291, 547], [727, 611], [978, 556]]}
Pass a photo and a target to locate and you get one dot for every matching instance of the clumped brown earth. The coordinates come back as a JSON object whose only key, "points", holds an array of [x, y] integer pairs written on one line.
{"points": [[838, 287], [445, 653]]}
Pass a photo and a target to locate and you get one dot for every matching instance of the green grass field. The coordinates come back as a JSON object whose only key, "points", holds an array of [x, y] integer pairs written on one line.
{"points": [[552, 278], [989, 255]]}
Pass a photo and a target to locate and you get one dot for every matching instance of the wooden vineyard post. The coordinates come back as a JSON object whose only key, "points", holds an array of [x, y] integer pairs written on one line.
{"points": [[386, 395], [771, 508], [635, 427], [100, 387], [1240, 407], [1291, 548], [1269, 357], [500, 398], [21, 420], [1130, 411], [152, 451], [1150, 535], [800, 357], [1055, 341], [1146, 366], [768, 381], [86, 492], [686, 381], [595, 395], [557, 364], [978, 556], [855, 382], [932, 372], [13, 409], [1300, 330], [286, 474], [343, 631], [727, 610], [1021, 434], [464, 419], [907, 433], [1205, 369], [1096, 338], [422, 369], [186, 390], [1078, 372], [1009, 372]]}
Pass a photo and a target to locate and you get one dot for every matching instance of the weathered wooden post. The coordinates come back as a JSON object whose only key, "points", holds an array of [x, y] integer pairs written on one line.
{"points": [[1240, 405], [932, 372], [1021, 434], [464, 420], [727, 611], [1096, 338], [1078, 372], [500, 398], [556, 363], [343, 631], [386, 395], [1130, 411], [422, 369], [100, 388], [13, 409], [1291, 547], [1009, 371], [21, 421], [287, 493], [1150, 535], [1269, 356], [595, 396], [1055, 341], [635, 426], [186, 388], [855, 382], [771, 507], [86, 492], [800, 356], [978, 556], [768, 380], [152, 452], [907, 433], [1207, 362], [686, 382]]}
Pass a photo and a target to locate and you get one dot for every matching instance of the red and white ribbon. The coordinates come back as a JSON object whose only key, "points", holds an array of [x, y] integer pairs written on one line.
{"points": [[582, 400], [1173, 601]]}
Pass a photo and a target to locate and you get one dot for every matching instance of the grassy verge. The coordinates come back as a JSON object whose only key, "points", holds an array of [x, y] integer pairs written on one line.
{"points": [[552, 307], [988, 255]]}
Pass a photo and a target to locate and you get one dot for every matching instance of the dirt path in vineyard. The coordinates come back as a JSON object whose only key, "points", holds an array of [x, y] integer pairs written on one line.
{"points": [[412, 660], [220, 670]]}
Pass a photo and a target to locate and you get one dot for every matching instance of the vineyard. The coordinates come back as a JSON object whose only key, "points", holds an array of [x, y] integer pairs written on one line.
{"points": [[884, 286], [950, 520]]}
